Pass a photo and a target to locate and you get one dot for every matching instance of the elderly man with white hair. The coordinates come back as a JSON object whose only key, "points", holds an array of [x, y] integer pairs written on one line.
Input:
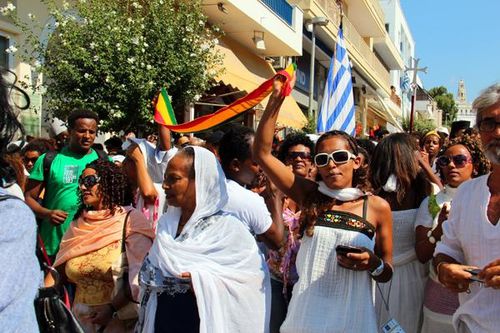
{"points": [[469, 250]]}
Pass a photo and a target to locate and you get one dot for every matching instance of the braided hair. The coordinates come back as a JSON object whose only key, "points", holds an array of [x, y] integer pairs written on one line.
{"points": [[113, 185], [317, 202]]}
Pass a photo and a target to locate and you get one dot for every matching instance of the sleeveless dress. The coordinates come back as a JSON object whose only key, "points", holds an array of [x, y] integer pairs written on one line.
{"points": [[405, 291], [328, 298]]}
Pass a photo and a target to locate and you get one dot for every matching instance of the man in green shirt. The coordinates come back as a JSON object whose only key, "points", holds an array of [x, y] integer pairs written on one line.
{"points": [[61, 198]]}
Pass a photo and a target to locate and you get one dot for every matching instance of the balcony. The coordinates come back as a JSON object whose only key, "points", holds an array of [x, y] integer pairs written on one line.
{"points": [[280, 22], [281, 8]]}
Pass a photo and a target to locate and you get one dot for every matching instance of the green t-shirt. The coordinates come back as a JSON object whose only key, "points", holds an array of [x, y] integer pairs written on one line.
{"points": [[61, 192]]}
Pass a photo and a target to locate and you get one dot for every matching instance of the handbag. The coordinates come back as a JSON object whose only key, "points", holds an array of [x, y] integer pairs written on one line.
{"points": [[52, 314], [119, 270]]}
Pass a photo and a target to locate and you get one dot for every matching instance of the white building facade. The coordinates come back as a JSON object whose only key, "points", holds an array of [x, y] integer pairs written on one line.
{"points": [[399, 31], [464, 108]]}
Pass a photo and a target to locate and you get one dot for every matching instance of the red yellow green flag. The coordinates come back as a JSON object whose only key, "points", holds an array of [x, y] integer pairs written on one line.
{"points": [[239, 106], [164, 113]]}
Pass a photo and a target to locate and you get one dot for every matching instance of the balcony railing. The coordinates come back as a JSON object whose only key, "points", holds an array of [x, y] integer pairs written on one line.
{"points": [[281, 8], [354, 38]]}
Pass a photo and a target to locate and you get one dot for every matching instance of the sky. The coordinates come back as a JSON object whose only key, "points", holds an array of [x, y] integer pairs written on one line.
{"points": [[456, 39]]}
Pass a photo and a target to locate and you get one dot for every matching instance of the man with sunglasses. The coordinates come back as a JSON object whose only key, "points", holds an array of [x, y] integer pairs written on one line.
{"points": [[60, 181], [469, 250]]}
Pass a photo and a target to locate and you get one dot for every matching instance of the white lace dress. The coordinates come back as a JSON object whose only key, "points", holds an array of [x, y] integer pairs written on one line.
{"points": [[408, 281], [328, 298]]}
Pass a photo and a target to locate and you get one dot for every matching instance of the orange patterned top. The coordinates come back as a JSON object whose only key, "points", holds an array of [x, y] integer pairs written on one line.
{"points": [[91, 273]]}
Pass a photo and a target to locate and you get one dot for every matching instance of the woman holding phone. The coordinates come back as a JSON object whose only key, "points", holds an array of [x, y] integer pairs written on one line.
{"points": [[334, 290], [461, 160]]}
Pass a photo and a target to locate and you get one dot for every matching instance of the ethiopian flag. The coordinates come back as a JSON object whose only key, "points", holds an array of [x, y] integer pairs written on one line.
{"points": [[241, 105], [164, 113]]}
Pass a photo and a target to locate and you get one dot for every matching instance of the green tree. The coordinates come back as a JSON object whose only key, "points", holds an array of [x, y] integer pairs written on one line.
{"points": [[113, 56], [419, 125], [445, 102]]}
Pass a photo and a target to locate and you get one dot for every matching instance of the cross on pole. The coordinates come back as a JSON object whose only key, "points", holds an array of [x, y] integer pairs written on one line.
{"points": [[414, 85]]}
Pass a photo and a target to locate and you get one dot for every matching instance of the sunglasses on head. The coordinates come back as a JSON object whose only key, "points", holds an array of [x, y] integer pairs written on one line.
{"points": [[458, 160], [338, 157], [89, 181], [302, 154]]}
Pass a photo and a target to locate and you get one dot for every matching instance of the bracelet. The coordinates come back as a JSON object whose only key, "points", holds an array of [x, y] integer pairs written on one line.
{"points": [[439, 265], [379, 270]]}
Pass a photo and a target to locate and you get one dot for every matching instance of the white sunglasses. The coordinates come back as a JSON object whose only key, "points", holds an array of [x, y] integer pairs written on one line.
{"points": [[338, 157]]}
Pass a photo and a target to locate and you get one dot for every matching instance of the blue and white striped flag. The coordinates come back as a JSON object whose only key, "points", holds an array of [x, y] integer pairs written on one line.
{"points": [[337, 109], [405, 82]]}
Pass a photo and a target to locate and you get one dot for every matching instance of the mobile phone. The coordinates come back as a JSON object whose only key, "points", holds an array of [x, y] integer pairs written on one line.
{"points": [[474, 272], [345, 249]]}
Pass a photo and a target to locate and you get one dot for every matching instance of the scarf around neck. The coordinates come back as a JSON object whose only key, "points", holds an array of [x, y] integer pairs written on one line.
{"points": [[345, 194]]}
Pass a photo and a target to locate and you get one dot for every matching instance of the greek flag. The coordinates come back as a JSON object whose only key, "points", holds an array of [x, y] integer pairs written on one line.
{"points": [[337, 108], [405, 82]]}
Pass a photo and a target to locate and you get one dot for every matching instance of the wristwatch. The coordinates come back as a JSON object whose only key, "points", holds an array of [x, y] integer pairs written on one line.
{"points": [[377, 271], [431, 238]]}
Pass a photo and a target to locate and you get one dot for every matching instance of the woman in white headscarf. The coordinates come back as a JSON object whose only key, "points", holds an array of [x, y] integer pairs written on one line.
{"points": [[204, 272]]}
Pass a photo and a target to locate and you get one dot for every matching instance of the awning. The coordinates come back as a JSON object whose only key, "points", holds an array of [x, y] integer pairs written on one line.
{"points": [[382, 108], [246, 71]]}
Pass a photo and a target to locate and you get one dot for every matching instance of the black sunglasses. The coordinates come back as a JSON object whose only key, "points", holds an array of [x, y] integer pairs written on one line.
{"points": [[459, 160], [302, 154], [488, 124], [89, 181]]}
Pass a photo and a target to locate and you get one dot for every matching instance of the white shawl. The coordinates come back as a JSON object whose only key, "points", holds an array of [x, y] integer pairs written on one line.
{"points": [[221, 255]]}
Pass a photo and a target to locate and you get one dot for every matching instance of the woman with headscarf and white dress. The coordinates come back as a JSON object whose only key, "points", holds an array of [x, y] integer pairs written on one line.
{"points": [[203, 272]]}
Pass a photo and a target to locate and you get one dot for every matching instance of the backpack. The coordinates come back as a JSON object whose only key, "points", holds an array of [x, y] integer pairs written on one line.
{"points": [[50, 155]]}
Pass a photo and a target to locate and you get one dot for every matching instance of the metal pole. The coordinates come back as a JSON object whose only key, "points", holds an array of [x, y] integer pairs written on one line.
{"points": [[412, 111], [311, 74]]}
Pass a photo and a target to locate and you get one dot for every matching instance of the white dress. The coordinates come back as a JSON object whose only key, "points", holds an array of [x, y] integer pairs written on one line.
{"points": [[409, 278], [327, 297]]}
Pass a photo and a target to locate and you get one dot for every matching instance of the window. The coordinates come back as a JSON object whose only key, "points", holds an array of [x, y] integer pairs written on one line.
{"points": [[4, 56], [387, 27]]}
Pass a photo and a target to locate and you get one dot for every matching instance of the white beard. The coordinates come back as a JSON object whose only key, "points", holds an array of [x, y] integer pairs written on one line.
{"points": [[492, 152]]}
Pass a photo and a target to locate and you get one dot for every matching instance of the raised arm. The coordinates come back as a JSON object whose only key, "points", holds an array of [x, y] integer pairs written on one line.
{"points": [[144, 181], [293, 186], [164, 139]]}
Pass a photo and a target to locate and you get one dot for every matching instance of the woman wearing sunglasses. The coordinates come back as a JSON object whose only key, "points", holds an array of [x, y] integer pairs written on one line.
{"points": [[461, 160], [295, 152], [347, 238], [93, 244]]}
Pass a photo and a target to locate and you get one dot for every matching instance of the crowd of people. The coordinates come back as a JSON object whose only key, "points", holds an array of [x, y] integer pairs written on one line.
{"points": [[241, 233]]}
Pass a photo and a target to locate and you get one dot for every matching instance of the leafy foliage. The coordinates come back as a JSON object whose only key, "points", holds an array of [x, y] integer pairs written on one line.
{"points": [[445, 102], [419, 125], [113, 56]]}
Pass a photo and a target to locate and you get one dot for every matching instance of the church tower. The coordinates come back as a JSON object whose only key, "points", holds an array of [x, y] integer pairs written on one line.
{"points": [[462, 94], [463, 106]]}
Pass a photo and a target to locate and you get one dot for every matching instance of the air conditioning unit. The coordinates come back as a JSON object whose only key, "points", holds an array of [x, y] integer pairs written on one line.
{"points": [[277, 62]]}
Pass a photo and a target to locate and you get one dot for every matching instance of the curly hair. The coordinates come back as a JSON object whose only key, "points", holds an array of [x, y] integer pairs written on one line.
{"points": [[479, 160], [294, 139], [81, 114], [318, 202], [40, 145], [113, 185]]}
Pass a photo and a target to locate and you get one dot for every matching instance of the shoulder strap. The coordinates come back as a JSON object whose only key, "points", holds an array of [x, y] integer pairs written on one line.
{"points": [[47, 163], [101, 154], [4, 197], [365, 206], [124, 232]]}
